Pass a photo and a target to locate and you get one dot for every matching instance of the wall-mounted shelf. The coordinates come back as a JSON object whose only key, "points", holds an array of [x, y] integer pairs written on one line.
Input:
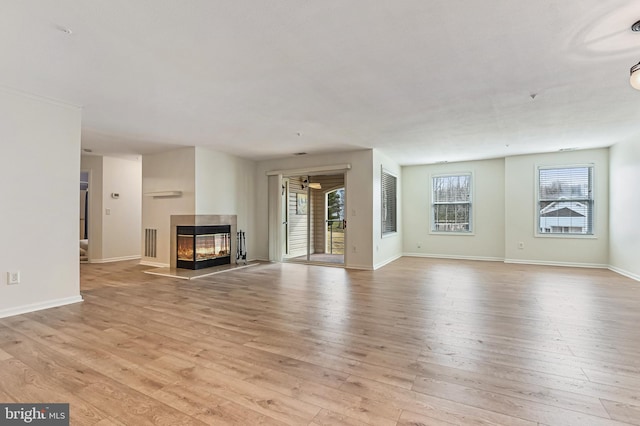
{"points": [[162, 194]]}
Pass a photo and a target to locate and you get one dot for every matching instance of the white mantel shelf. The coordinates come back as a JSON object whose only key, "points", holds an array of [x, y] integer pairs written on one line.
{"points": [[160, 194]]}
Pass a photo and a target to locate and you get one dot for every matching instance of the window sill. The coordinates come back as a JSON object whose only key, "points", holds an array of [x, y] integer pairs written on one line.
{"points": [[452, 233], [389, 234], [571, 236]]}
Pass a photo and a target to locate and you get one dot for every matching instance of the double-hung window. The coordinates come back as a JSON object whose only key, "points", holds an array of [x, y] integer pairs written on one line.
{"points": [[451, 203], [565, 200]]}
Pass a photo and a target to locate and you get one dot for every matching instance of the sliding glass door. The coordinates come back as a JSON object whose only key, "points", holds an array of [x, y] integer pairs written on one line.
{"points": [[313, 219]]}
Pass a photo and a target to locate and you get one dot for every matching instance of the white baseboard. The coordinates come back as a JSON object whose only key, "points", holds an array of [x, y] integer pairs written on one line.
{"points": [[386, 262], [359, 267], [32, 307], [551, 263], [154, 264], [533, 262], [625, 273], [114, 259], [446, 256], [456, 257]]}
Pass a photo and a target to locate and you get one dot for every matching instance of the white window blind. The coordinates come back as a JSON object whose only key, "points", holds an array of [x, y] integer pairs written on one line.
{"points": [[389, 203], [451, 203], [565, 200]]}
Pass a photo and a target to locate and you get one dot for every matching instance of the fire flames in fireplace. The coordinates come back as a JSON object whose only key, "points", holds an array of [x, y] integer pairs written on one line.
{"points": [[207, 246], [203, 246]]}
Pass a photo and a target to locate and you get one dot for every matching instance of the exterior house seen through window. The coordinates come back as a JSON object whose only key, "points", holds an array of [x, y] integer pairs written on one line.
{"points": [[565, 200], [451, 203]]}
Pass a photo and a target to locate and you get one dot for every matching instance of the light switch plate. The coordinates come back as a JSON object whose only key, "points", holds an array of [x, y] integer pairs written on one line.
{"points": [[13, 277]]}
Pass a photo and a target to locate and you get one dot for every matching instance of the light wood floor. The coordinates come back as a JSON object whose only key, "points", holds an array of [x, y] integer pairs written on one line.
{"points": [[419, 342]]}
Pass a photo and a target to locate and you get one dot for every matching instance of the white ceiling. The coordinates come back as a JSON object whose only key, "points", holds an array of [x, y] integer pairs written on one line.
{"points": [[423, 81]]}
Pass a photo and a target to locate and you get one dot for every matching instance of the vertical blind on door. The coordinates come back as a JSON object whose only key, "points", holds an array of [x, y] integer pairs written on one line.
{"points": [[389, 203]]}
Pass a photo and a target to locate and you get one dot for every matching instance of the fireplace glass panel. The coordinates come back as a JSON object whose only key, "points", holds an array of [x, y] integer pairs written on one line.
{"points": [[212, 246], [185, 247], [203, 246]]}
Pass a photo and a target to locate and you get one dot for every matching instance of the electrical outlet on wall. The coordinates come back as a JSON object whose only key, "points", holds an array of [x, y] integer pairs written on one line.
{"points": [[13, 277]]}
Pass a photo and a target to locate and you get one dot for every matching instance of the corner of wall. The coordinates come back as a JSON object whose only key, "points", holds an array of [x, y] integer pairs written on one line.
{"points": [[624, 205], [41, 136], [388, 248]]}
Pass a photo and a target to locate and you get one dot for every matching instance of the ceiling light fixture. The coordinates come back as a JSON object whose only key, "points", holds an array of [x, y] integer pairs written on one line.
{"points": [[312, 185], [634, 78]]}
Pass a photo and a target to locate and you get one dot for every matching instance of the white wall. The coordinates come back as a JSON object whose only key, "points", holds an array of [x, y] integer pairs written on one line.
{"points": [[359, 199], [520, 212], [121, 230], [93, 163], [486, 241], [624, 208], [225, 185], [211, 183], [388, 248], [167, 171], [39, 213]]}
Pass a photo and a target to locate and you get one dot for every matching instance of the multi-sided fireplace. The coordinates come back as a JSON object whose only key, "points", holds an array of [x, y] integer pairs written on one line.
{"points": [[203, 246]]}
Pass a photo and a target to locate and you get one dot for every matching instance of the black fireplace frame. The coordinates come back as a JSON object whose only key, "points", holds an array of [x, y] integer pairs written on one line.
{"points": [[202, 230]]}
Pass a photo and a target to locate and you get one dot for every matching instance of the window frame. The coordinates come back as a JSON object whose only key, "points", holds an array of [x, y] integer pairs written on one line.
{"points": [[471, 202], [592, 190], [383, 210]]}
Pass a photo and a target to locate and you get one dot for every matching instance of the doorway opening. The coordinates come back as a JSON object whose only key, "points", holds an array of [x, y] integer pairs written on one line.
{"points": [[313, 221], [84, 216]]}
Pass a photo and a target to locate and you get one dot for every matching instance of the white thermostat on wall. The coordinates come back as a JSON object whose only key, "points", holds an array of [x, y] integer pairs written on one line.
{"points": [[115, 195]]}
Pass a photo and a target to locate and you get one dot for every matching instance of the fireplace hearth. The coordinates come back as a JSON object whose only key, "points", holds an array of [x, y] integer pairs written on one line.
{"points": [[203, 246]]}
